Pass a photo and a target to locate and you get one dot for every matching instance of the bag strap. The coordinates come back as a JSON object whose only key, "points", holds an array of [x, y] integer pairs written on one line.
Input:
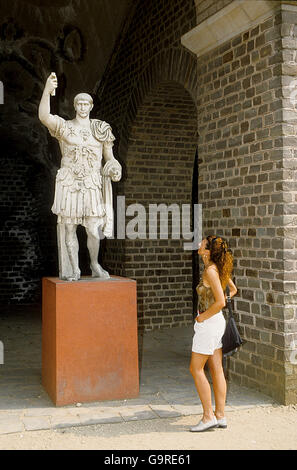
{"points": [[229, 301]]}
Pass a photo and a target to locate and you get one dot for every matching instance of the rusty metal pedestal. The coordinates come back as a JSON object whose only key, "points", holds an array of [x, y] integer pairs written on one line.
{"points": [[89, 340]]}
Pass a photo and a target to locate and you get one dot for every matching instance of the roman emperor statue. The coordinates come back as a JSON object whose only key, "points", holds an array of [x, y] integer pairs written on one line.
{"points": [[83, 191]]}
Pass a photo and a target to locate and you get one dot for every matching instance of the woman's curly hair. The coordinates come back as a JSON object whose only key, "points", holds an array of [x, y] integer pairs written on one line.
{"points": [[222, 256]]}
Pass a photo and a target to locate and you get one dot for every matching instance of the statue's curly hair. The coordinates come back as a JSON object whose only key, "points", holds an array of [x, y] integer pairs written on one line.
{"points": [[222, 256]]}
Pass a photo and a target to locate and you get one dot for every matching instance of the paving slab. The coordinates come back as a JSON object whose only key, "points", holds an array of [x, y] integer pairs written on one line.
{"points": [[135, 414], [11, 424], [36, 423], [99, 418], [165, 411]]}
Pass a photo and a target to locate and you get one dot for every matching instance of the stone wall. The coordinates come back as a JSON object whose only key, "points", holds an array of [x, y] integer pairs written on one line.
{"points": [[247, 147]]}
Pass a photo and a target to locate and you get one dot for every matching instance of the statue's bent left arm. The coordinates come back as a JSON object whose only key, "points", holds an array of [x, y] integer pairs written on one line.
{"points": [[112, 167]]}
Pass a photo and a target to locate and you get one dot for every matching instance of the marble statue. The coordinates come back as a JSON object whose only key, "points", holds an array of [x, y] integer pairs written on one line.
{"points": [[83, 190]]}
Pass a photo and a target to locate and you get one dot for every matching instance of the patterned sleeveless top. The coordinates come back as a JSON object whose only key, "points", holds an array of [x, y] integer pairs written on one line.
{"points": [[205, 297]]}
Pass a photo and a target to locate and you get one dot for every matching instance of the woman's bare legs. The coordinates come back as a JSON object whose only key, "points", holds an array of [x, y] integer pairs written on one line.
{"points": [[219, 382], [197, 364]]}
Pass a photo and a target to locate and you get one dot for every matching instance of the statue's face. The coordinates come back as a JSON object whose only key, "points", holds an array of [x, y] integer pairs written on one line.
{"points": [[83, 108]]}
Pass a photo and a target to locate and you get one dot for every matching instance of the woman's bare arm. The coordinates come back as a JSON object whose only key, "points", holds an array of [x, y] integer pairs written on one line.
{"points": [[232, 287]]}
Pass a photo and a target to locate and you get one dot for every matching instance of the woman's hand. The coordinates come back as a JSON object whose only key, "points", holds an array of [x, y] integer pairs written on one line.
{"points": [[232, 287], [199, 318]]}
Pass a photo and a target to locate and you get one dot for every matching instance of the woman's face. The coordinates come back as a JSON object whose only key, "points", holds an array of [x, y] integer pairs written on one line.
{"points": [[202, 247]]}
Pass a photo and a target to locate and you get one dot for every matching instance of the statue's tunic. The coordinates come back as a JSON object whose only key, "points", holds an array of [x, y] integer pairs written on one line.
{"points": [[78, 190]]}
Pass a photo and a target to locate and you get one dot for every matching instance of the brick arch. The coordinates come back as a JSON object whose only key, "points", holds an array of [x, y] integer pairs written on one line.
{"points": [[159, 171], [170, 77], [174, 64]]}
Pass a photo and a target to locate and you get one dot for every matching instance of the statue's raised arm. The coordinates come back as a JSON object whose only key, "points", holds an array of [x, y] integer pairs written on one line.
{"points": [[44, 113]]}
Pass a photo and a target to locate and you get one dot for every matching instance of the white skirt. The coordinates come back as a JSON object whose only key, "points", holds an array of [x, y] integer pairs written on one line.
{"points": [[208, 334]]}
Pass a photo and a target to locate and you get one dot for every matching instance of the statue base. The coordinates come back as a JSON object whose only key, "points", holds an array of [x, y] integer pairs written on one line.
{"points": [[89, 339]]}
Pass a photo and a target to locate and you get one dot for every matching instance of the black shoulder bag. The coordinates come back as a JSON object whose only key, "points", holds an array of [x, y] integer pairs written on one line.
{"points": [[231, 339]]}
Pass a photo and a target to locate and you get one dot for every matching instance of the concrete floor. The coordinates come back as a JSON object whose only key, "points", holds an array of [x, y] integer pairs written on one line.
{"points": [[166, 386]]}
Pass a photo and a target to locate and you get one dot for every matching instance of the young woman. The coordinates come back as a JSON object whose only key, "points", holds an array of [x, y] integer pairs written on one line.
{"points": [[209, 328]]}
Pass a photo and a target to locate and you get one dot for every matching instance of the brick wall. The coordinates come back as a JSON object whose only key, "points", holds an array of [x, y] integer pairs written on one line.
{"points": [[207, 8], [247, 152], [25, 231], [148, 51]]}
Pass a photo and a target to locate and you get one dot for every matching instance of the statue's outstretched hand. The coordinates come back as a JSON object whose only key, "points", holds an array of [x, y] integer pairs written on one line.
{"points": [[51, 84]]}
